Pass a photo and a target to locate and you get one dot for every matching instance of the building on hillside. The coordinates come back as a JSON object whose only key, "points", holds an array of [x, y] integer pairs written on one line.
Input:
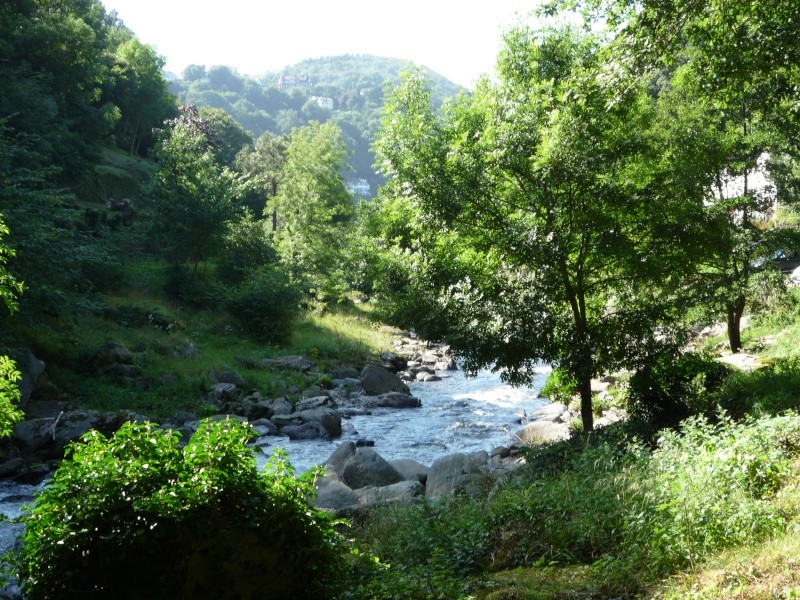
{"points": [[288, 82], [359, 188]]}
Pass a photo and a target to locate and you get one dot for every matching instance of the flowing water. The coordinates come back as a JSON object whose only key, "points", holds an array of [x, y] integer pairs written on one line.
{"points": [[458, 414]]}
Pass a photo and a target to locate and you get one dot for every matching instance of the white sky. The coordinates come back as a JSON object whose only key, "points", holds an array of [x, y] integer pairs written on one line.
{"points": [[456, 38]]}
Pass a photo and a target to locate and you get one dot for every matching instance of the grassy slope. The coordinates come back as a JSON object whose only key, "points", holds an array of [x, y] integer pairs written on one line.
{"points": [[175, 346]]}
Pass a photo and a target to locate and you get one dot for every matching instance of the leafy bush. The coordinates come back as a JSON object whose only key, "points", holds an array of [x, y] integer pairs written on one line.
{"points": [[560, 386], [266, 305], [706, 488], [193, 287], [9, 396], [429, 548], [135, 516], [668, 390]]}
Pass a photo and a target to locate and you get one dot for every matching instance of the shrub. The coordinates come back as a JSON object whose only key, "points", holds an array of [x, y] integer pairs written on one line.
{"points": [[135, 516], [706, 488], [193, 287], [9, 396], [560, 386], [430, 548], [670, 389], [266, 305]]}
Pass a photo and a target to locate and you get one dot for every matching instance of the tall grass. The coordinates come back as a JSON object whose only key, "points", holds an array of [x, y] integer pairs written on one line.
{"points": [[632, 515]]}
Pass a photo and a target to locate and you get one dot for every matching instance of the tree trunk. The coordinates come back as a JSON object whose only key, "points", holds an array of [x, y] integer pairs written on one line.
{"points": [[587, 416], [734, 311]]}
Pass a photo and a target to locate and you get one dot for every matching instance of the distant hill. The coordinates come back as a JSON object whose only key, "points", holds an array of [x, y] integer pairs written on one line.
{"points": [[362, 71], [347, 89]]}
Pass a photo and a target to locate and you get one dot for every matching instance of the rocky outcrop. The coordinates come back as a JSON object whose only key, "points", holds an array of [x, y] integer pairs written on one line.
{"points": [[411, 470], [457, 472], [377, 380], [48, 436], [359, 478], [395, 400], [31, 369]]}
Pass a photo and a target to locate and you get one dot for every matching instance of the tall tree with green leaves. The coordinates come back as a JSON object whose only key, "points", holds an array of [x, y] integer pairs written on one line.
{"points": [[139, 90], [261, 167], [314, 208], [193, 196], [542, 228], [739, 62]]}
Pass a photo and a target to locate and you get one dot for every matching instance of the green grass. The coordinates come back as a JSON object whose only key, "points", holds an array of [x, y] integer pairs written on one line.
{"points": [[346, 333], [157, 330]]}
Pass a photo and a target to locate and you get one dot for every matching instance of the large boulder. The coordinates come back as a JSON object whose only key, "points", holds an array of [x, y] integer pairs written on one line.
{"points": [[538, 432], [377, 380], [458, 472], [289, 363], [368, 468], [31, 368], [50, 435], [223, 392], [550, 412], [411, 470], [328, 418], [314, 403], [403, 491], [340, 457], [333, 495], [108, 355], [311, 430], [396, 400]]}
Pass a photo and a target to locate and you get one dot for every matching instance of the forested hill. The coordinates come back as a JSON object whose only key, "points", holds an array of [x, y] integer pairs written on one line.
{"points": [[360, 71], [348, 90]]}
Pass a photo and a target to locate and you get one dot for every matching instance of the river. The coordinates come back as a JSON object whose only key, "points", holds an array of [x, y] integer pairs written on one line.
{"points": [[458, 414]]}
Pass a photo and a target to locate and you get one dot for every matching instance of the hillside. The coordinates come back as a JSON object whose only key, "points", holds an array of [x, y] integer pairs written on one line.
{"points": [[348, 90]]}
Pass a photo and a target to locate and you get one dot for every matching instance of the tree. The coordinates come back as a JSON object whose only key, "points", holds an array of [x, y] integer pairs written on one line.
{"points": [[544, 232], [261, 167], [193, 196], [141, 93], [740, 62], [228, 137], [194, 72], [314, 207]]}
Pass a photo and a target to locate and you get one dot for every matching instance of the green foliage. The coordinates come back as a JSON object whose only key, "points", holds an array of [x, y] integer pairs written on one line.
{"points": [[192, 196], [533, 243], [770, 390], [559, 387], [227, 136], [266, 305], [429, 549], [10, 288], [10, 414], [246, 246], [194, 288], [136, 516], [314, 210], [632, 513], [668, 389], [708, 487]]}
